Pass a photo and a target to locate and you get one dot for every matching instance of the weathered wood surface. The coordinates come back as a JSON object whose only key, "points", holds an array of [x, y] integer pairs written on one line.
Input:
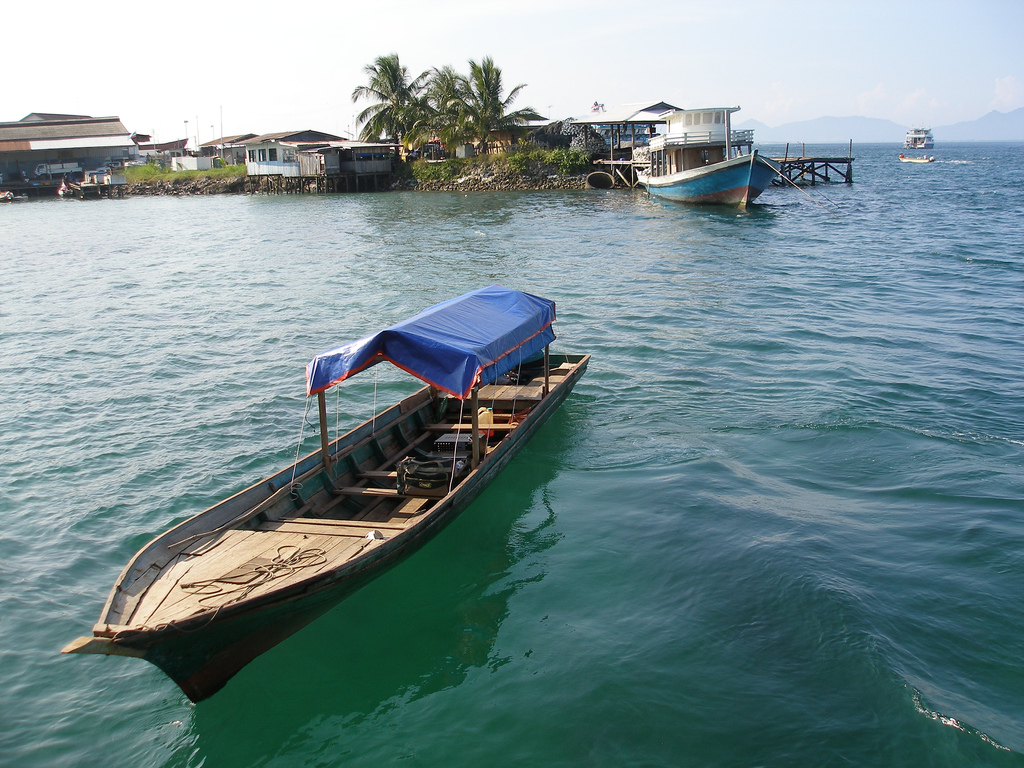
{"points": [[815, 170]]}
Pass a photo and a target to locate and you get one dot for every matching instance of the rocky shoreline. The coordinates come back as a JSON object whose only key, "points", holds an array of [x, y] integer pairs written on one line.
{"points": [[178, 187], [480, 177], [488, 177]]}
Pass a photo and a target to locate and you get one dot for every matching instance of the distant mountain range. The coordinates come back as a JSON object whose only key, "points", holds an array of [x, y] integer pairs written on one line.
{"points": [[995, 126]]}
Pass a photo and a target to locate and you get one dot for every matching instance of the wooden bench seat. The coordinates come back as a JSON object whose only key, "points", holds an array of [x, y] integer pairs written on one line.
{"points": [[320, 527]]}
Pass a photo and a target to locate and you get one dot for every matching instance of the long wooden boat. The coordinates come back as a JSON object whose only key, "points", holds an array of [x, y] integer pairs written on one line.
{"points": [[205, 598], [700, 159]]}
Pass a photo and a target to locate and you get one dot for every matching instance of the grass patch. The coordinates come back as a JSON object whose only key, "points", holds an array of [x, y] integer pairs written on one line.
{"points": [[149, 174], [445, 170], [566, 162]]}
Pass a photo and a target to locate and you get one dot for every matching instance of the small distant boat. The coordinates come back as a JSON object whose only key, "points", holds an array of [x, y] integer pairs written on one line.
{"points": [[65, 189], [700, 160], [6, 196], [208, 596], [919, 138], [923, 159]]}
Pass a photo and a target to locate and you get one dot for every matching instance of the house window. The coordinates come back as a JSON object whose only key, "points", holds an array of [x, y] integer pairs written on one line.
{"points": [[252, 155], [273, 154], [263, 155]]}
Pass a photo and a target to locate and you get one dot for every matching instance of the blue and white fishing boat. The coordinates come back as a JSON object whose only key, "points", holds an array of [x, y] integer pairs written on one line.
{"points": [[206, 597], [700, 159]]}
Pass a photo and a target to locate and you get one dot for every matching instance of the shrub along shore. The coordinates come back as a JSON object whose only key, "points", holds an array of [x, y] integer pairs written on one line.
{"points": [[525, 169]]}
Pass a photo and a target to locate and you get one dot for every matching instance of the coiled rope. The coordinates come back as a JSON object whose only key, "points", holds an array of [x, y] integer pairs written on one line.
{"points": [[239, 583]]}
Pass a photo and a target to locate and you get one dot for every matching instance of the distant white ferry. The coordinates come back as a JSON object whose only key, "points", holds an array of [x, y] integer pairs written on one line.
{"points": [[919, 138]]}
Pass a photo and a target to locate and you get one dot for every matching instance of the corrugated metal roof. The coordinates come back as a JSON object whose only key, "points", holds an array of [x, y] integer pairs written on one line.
{"points": [[163, 146], [224, 140], [694, 110], [62, 129], [306, 136], [348, 144], [624, 114], [35, 116], [92, 141]]}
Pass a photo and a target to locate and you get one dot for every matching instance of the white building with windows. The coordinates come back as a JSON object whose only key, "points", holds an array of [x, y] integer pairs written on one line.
{"points": [[286, 153]]}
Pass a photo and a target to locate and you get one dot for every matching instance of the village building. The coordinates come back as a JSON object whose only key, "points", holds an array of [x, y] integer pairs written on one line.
{"points": [[626, 126], [230, 149], [161, 152], [271, 154], [313, 161], [626, 132], [41, 149]]}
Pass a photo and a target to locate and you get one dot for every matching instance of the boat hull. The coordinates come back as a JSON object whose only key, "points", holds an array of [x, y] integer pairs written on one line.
{"points": [[202, 653], [731, 182]]}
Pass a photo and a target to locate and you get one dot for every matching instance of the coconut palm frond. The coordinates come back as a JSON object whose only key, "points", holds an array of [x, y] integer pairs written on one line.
{"points": [[388, 84]]}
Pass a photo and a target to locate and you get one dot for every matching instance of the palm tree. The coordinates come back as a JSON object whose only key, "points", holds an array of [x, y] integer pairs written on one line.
{"points": [[397, 100], [485, 108], [446, 107]]}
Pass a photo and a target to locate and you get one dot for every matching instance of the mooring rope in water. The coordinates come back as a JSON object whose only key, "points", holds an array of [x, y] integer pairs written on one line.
{"points": [[245, 580], [784, 176]]}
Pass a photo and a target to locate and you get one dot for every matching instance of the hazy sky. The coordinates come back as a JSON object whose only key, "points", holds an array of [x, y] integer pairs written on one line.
{"points": [[261, 66]]}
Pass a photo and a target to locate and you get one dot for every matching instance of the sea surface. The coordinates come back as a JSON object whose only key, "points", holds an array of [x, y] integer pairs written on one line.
{"points": [[780, 522]]}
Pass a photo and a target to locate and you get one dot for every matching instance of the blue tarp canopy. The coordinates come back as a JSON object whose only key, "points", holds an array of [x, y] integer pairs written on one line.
{"points": [[453, 345]]}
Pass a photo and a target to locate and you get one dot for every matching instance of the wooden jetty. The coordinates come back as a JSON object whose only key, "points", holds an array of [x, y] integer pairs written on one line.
{"points": [[279, 184], [810, 170], [96, 190], [49, 187], [623, 171]]}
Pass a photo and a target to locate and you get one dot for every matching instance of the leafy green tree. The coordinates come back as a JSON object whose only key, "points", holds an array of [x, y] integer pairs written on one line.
{"points": [[398, 101], [486, 106]]}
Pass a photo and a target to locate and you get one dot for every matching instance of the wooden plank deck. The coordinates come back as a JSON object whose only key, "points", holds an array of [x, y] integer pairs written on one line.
{"points": [[193, 584]]}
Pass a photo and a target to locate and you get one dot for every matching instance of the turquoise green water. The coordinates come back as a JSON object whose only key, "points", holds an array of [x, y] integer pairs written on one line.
{"points": [[780, 522]]}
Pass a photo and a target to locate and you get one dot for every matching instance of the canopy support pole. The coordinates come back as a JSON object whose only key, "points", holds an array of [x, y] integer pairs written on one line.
{"points": [[547, 370], [475, 407], [321, 400]]}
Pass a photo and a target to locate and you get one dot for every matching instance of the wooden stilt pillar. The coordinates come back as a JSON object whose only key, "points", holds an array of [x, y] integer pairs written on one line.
{"points": [[475, 408], [547, 372], [321, 399]]}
